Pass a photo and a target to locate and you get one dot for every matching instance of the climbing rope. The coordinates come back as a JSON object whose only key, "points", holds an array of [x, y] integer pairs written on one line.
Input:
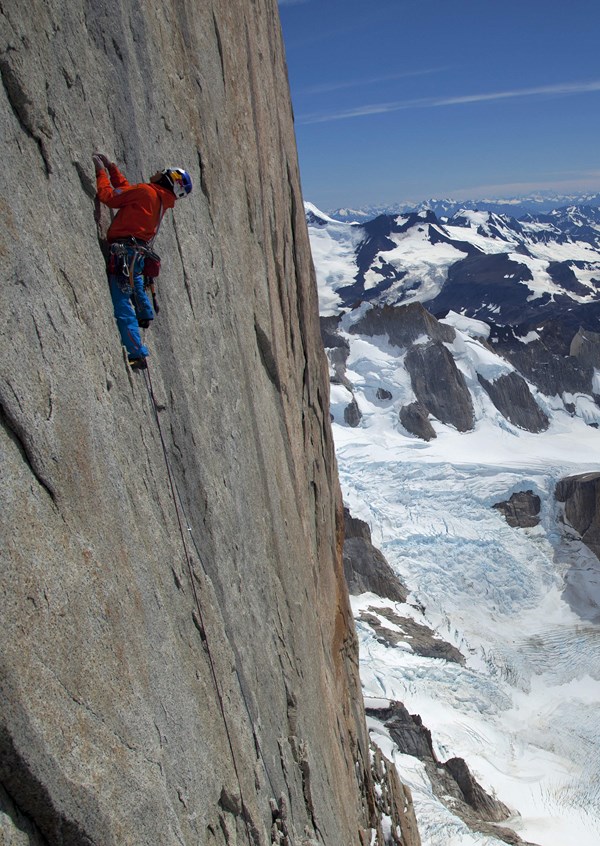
{"points": [[180, 511]]}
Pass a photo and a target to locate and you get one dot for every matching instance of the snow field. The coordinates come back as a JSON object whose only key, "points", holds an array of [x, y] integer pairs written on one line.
{"points": [[521, 712]]}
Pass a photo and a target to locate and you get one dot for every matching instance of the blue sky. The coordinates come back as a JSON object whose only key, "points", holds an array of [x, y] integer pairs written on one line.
{"points": [[410, 99]]}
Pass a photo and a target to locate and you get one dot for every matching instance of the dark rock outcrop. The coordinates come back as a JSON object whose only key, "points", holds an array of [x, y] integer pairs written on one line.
{"points": [[440, 386], [481, 284], [473, 794], [365, 567], [553, 361], [563, 274], [511, 395], [406, 730], [415, 419], [421, 639], [585, 347], [179, 661], [403, 325], [352, 415], [521, 510], [581, 496], [452, 781]]}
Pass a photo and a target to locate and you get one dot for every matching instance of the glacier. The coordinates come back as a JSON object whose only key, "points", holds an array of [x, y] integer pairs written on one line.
{"points": [[523, 712]]}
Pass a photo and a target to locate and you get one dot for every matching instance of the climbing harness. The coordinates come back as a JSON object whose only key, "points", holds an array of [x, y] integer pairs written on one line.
{"points": [[181, 522], [125, 252]]}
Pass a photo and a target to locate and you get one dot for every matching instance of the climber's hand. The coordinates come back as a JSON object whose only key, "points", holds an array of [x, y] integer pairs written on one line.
{"points": [[101, 161]]}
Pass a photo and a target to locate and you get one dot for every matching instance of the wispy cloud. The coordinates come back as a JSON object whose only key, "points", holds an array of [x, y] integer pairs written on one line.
{"points": [[327, 87], [362, 111], [559, 89]]}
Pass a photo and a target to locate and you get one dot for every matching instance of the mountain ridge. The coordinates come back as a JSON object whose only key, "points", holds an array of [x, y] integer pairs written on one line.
{"points": [[514, 206]]}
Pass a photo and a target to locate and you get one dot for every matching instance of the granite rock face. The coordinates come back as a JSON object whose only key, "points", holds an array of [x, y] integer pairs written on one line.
{"points": [[178, 661]]}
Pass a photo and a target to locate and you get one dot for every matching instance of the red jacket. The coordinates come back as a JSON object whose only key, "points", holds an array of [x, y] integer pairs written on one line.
{"points": [[139, 205]]}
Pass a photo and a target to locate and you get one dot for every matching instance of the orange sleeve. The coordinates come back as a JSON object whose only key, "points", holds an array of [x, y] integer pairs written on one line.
{"points": [[116, 177], [102, 184], [114, 198]]}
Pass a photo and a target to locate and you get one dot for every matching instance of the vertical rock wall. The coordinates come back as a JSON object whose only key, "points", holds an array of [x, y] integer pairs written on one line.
{"points": [[140, 704]]}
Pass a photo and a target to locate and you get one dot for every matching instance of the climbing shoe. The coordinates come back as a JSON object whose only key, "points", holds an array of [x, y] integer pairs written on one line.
{"points": [[138, 363], [143, 324]]}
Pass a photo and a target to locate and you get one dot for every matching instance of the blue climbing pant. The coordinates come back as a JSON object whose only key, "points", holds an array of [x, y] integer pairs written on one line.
{"points": [[131, 303]]}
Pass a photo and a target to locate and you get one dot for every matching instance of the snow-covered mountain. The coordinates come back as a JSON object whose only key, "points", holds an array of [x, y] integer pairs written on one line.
{"points": [[488, 265], [513, 206], [465, 368], [534, 282]]}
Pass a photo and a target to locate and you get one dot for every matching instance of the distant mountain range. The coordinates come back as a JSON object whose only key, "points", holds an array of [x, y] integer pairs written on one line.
{"points": [[534, 283], [447, 207], [486, 265]]}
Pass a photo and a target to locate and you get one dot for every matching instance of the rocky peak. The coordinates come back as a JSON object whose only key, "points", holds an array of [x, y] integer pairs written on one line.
{"points": [[402, 324]]}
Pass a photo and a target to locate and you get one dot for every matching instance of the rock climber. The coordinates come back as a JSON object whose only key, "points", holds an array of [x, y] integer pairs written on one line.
{"points": [[130, 238]]}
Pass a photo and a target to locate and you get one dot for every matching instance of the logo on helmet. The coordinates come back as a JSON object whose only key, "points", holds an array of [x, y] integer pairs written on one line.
{"points": [[179, 180]]}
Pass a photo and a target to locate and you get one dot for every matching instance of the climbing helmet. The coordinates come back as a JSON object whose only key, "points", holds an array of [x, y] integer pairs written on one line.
{"points": [[179, 180]]}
